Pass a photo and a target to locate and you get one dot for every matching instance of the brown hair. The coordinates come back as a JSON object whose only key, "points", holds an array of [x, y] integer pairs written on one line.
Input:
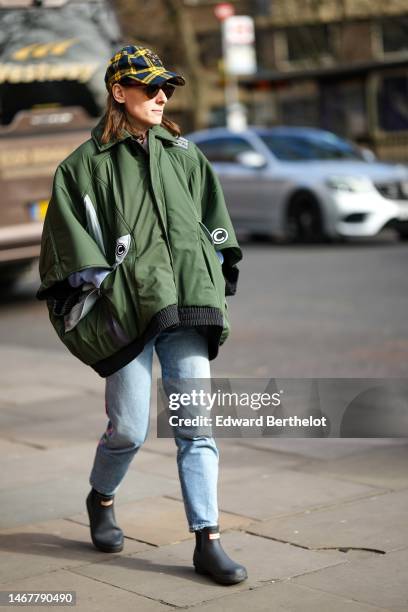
{"points": [[116, 121]]}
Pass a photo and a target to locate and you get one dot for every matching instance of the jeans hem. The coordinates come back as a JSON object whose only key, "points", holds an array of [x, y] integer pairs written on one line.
{"points": [[201, 526], [102, 492]]}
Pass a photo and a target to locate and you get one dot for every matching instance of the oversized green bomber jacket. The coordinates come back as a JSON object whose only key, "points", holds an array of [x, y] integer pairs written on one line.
{"points": [[154, 221]]}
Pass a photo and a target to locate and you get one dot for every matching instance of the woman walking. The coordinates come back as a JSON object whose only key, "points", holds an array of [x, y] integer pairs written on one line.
{"points": [[138, 253]]}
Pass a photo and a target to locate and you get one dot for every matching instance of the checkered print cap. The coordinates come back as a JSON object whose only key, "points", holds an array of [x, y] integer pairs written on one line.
{"points": [[141, 64]]}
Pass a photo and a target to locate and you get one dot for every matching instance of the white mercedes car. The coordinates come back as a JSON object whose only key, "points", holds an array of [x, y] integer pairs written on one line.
{"points": [[305, 184]]}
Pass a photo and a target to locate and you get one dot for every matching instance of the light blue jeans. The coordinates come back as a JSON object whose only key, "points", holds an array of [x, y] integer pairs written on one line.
{"points": [[183, 353]]}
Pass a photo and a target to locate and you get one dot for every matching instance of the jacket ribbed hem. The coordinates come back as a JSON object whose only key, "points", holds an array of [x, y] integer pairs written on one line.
{"points": [[209, 322]]}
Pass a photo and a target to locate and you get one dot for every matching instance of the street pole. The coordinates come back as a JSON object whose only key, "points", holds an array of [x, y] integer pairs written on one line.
{"points": [[235, 112]]}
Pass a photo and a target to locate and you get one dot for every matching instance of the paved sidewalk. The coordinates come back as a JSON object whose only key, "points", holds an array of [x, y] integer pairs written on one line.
{"points": [[320, 524]]}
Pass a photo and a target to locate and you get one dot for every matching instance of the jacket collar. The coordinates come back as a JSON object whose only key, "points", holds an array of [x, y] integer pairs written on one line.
{"points": [[156, 131]]}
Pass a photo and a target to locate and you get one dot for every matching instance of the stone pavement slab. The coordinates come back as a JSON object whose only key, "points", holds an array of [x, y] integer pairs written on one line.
{"points": [[160, 446], [284, 597], [10, 418], [24, 465], [378, 522], [381, 467], [236, 454], [23, 366], [167, 572], [80, 403], [41, 548], [91, 595], [323, 448], [379, 581], [65, 496], [285, 492], [59, 432], [14, 393], [160, 520]]}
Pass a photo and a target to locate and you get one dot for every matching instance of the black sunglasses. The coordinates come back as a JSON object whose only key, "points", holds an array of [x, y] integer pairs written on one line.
{"points": [[151, 91]]}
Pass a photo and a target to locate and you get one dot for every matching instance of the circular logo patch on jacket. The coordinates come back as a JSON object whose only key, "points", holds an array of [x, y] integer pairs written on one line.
{"points": [[219, 235], [120, 249]]}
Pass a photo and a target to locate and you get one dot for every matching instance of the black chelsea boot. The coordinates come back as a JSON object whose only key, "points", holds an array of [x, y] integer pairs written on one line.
{"points": [[105, 533], [210, 558]]}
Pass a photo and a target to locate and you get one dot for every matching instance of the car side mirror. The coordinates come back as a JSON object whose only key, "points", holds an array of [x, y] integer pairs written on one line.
{"points": [[251, 159]]}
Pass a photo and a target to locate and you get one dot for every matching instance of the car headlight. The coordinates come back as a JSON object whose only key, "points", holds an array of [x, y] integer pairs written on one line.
{"points": [[349, 183]]}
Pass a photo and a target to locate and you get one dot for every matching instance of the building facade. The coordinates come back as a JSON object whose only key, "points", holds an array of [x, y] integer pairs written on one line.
{"points": [[341, 65]]}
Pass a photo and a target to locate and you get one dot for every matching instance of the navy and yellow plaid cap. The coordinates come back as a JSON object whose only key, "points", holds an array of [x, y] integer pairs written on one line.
{"points": [[141, 64]]}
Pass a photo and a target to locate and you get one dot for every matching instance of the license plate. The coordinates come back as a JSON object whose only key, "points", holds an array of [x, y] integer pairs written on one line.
{"points": [[38, 209]]}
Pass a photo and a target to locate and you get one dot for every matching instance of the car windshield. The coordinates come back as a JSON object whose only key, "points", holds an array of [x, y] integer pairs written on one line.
{"points": [[309, 146]]}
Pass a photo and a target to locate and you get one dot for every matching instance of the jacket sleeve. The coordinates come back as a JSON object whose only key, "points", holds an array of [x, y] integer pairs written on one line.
{"points": [[215, 216], [67, 247]]}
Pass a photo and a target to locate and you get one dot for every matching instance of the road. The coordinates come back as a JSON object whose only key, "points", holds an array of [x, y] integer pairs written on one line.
{"points": [[320, 523], [300, 311]]}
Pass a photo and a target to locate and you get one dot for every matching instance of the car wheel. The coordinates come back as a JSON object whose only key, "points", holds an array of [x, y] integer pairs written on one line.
{"points": [[403, 235], [261, 237], [304, 219], [10, 274]]}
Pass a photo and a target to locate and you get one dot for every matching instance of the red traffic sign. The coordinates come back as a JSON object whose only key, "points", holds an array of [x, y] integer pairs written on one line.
{"points": [[224, 10]]}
